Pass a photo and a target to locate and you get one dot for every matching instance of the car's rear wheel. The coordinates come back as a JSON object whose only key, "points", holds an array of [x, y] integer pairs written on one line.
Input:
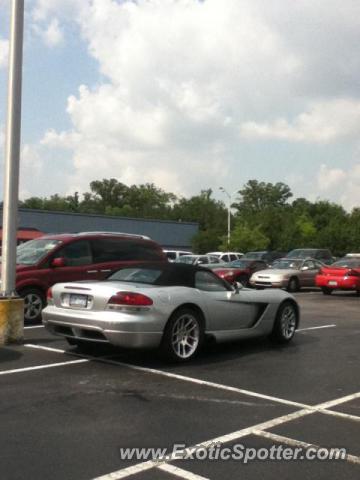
{"points": [[293, 285], [285, 323], [34, 302], [183, 335], [326, 290]]}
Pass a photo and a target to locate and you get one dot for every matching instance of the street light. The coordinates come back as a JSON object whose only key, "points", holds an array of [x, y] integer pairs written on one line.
{"points": [[222, 189]]}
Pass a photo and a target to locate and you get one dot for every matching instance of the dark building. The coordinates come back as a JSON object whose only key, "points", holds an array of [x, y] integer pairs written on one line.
{"points": [[174, 235]]}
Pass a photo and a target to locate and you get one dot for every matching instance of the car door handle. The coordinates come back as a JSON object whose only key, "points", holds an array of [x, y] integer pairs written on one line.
{"points": [[105, 271], [92, 271]]}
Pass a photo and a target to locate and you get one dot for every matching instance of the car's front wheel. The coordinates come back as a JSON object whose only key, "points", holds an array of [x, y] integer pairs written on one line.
{"points": [[285, 323], [34, 302], [183, 335], [293, 285]]}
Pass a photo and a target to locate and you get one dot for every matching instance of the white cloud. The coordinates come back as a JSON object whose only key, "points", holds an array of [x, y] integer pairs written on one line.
{"points": [[180, 74], [65, 9], [344, 183], [328, 178], [181, 78], [53, 34], [324, 122], [4, 51]]}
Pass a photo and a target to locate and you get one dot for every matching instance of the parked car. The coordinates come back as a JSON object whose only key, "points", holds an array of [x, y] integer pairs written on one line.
{"points": [[173, 255], [198, 260], [289, 273], [68, 257], [267, 256], [168, 306], [240, 270], [226, 257], [341, 275], [321, 254]]}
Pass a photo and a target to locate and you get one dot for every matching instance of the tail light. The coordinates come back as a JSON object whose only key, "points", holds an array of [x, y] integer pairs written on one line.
{"points": [[130, 299], [49, 296]]}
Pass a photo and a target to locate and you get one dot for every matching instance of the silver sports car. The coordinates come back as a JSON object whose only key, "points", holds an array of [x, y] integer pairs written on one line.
{"points": [[170, 306], [289, 273]]}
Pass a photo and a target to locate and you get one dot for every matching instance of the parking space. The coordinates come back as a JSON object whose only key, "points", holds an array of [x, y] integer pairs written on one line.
{"points": [[65, 414]]}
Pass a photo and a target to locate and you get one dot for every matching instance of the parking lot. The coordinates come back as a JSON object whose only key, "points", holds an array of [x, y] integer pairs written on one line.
{"points": [[65, 414]]}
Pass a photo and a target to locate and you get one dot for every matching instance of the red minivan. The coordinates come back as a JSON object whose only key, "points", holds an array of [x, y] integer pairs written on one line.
{"points": [[68, 257]]}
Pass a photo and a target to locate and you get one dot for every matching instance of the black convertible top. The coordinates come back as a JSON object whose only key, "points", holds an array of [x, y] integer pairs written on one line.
{"points": [[173, 274]]}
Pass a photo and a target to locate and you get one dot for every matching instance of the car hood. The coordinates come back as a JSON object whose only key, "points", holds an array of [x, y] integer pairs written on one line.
{"points": [[279, 272]]}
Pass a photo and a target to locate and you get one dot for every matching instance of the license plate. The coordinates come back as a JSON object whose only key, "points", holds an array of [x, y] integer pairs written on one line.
{"points": [[333, 283], [78, 300]]}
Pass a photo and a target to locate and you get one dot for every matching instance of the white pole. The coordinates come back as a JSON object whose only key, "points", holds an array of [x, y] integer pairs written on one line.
{"points": [[222, 189], [12, 152]]}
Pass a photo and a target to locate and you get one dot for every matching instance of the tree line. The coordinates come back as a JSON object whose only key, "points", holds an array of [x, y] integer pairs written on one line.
{"points": [[263, 215]]}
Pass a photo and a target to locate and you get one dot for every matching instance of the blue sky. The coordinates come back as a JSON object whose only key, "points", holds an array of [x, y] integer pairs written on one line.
{"points": [[189, 95]]}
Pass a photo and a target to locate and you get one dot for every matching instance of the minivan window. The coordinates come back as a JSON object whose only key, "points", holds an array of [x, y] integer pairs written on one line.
{"points": [[115, 250], [30, 253], [75, 254]]}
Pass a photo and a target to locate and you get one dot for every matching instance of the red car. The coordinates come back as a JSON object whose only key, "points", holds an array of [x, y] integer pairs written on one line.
{"points": [[341, 275], [70, 257], [240, 270]]}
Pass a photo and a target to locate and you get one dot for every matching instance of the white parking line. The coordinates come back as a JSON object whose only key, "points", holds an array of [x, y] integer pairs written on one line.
{"points": [[186, 379], [140, 467], [297, 443], [40, 367], [316, 328], [305, 410], [319, 408], [33, 326], [179, 472]]}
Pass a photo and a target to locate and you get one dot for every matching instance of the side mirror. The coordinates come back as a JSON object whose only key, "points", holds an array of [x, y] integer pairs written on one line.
{"points": [[58, 262]]}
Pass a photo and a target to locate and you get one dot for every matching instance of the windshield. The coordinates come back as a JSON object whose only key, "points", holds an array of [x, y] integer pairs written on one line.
{"points": [[287, 264], [240, 263], [347, 262], [256, 255], [30, 253], [188, 259], [301, 253], [137, 275]]}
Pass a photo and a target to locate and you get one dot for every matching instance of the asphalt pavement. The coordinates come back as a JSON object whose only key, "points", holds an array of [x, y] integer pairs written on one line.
{"points": [[65, 414]]}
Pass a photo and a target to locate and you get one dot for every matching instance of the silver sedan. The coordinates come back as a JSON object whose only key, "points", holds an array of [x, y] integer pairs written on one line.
{"points": [[169, 306], [289, 273]]}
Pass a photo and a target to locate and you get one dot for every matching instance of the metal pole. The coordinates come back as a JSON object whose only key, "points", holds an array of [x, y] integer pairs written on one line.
{"points": [[12, 152], [229, 219]]}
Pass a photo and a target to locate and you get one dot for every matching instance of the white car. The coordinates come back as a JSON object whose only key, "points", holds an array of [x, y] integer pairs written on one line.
{"points": [[173, 255], [205, 260], [169, 306], [226, 256]]}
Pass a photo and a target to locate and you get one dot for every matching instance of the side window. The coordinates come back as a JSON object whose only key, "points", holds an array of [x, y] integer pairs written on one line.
{"points": [[225, 258], [232, 257], [310, 264], [115, 250], [202, 260], [171, 255], [209, 282], [76, 254]]}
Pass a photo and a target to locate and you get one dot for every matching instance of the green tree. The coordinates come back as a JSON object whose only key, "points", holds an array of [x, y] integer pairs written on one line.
{"points": [[245, 238]]}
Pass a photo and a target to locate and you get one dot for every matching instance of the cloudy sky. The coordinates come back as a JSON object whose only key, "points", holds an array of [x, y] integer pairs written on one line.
{"points": [[189, 94]]}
